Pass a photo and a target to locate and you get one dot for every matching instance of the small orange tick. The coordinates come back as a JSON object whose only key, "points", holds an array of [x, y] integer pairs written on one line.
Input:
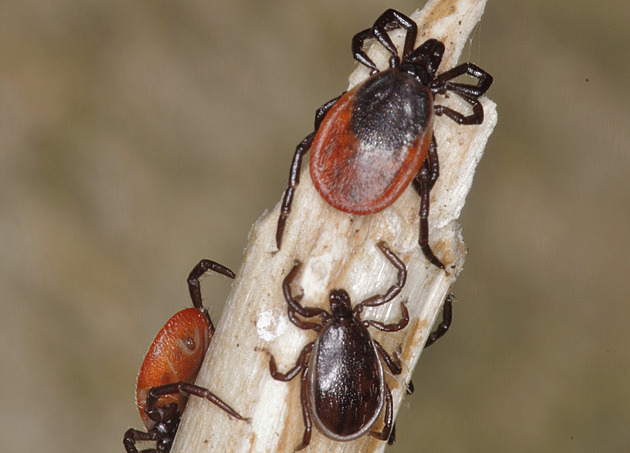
{"points": [[170, 368]]}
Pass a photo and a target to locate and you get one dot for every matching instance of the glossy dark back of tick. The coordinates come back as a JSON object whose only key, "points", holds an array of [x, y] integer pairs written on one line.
{"points": [[346, 380], [372, 143]]}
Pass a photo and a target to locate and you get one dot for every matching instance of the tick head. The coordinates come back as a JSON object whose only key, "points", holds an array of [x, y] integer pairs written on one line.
{"points": [[424, 62], [340, 303]]}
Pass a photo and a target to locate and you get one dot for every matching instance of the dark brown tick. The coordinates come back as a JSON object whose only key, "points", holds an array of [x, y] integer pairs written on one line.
{"points": [[343, 389], [371, 142]]}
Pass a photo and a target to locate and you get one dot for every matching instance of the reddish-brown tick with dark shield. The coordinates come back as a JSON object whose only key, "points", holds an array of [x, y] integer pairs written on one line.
{"points": [[371, 142]]}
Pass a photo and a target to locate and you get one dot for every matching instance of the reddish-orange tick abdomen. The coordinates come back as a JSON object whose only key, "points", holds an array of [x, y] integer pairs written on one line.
{"points": [[175, 355]]}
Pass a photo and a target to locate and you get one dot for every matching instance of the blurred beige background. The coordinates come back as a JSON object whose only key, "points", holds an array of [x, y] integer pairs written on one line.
{"points": [[139, 137]]}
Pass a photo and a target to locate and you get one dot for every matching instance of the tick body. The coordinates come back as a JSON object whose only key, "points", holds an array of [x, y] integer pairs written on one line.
{"points": [[175, 355], [170, 368], [343, 388], [371, 142], [343, 406]]}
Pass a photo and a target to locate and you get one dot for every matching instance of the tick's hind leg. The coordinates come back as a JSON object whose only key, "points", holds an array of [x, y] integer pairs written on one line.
{"points": [[388, 420], [306, 438], [423, 183]]}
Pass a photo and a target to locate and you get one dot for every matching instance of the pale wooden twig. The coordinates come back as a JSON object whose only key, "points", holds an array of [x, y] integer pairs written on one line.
{"points": [[338, 251]]}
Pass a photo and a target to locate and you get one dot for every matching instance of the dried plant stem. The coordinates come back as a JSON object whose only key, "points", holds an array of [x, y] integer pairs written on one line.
{"points": [[338, 251]]}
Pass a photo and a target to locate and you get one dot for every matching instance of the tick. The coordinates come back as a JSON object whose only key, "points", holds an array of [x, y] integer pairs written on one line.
{"points": [[343, 388], [171, 366], [371, 142]]}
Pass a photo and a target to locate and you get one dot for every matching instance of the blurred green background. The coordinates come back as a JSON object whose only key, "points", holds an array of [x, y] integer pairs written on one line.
{"points": [[139, 137]]}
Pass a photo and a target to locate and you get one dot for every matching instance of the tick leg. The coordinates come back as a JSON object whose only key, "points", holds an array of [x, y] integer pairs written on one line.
{"points": [[194, 287], [399, 265], [469, 93], [441, 84], [306, 438], [395, 289], [132, 436], [299, 365], [294, 301], [404, 320], [357, 50], [394, 365], [316, 326], [433, 163], [294, 180], [447, 318], [389, 418], [423, 182], [475, 118], [184, 387], [321, 112], [389, 20], [296, 166]]}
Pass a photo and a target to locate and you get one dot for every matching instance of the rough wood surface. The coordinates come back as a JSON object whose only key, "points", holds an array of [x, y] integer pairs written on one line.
{"points": [[338, 251]]}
